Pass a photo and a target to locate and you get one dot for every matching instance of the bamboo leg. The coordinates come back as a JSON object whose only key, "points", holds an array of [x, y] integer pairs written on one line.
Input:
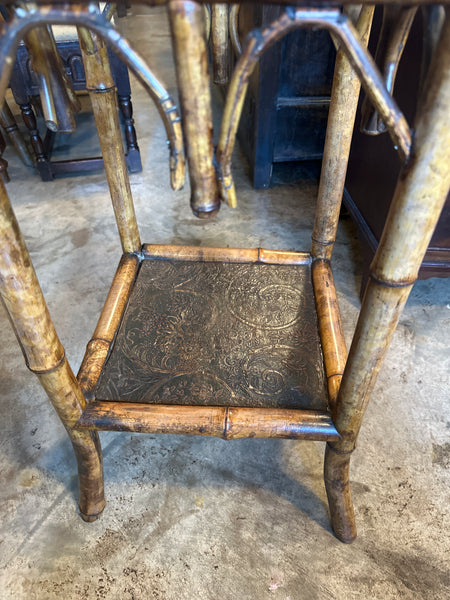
{"points": [[191, 62], [341, 119], [418, 200], [337, 483], [102, 92], [219, 43], [44, 354]]}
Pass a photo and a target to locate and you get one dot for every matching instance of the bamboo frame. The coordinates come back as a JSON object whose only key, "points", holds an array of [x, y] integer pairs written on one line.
{"points": [[397, 22], [418, 200], [219, 43], [44, 354], [330, 327], [99, 346], [191, 64], [341, 118], [102, 92], [226, 422], [111, 315], [209, 254]]}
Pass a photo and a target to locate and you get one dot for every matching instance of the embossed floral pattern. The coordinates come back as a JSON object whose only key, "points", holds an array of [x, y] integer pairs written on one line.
{"points": [[218, 334]]}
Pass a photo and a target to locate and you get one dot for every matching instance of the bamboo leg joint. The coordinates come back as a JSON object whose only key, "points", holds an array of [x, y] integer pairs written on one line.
{"points": [[393, 284], [334, 449], [49, 370]]}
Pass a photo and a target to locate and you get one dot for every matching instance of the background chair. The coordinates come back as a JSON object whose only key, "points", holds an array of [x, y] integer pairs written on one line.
{"points": [[25, 88]]}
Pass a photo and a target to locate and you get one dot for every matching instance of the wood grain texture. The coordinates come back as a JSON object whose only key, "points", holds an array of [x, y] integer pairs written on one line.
{"points": [[218, 421]]}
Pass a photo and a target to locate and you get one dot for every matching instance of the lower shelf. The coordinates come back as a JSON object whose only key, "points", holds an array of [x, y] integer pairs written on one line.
{"points": [[221, 342]]}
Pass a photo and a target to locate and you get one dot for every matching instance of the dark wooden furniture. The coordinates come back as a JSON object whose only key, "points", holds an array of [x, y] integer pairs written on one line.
{"points": [[233, 342], [286, 108], [3, 163], [24, 87], [374, 168]]}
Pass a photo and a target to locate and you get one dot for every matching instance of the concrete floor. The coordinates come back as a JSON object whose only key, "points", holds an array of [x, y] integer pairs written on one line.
{"points": [[196, 517]]}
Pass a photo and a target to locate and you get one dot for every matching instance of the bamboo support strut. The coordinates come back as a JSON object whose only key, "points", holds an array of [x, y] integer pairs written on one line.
{"points": [[44, 354], [98, 347], [341, 119], [219, 421], [397, 22], [102, 92], [330, 328], [418, 200], [209, 254], [220, 43], [191, 63], [360, 59]]}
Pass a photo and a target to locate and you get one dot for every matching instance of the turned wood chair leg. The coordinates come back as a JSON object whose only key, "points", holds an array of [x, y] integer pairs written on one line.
{"points": [[419, 197], [42, 163], [3, 163], [44, 355], [8, 122], [133, 156]]}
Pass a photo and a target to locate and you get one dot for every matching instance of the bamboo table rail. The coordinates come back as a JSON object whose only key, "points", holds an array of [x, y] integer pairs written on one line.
{"points": [[231, 342]]}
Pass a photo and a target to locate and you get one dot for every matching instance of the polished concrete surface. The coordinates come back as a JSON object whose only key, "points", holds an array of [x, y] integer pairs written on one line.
{"points": [[199, 518]]}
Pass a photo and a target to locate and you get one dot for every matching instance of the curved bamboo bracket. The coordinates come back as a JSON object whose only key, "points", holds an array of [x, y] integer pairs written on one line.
{"points": [[341, 27], [89, 17], [397, 22]]}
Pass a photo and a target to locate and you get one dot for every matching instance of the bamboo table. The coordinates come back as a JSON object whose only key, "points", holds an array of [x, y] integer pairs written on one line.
{"points": [[230, 342]]}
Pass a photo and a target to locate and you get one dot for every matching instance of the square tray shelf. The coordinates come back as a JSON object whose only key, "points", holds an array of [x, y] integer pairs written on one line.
{"points": [[212, 329]]}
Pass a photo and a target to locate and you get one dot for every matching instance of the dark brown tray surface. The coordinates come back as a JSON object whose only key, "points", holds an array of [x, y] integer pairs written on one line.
{"points": [[219, 334]]}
